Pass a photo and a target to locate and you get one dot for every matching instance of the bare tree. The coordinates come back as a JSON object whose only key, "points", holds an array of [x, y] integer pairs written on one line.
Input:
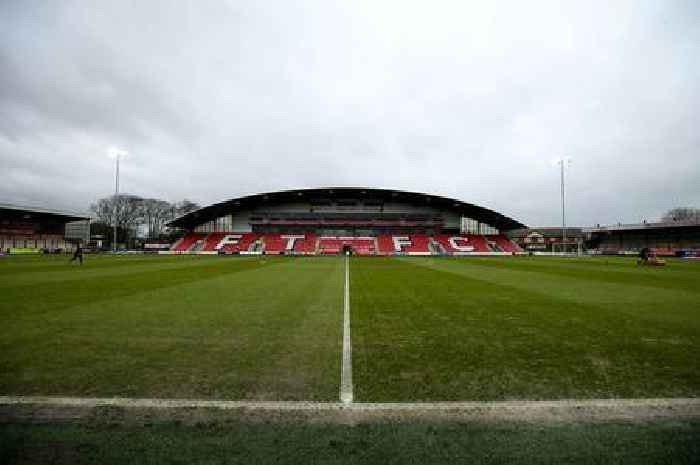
{"points": [[132, 211], [104, 210], [155, 214], [125, 209], [682, 214]]}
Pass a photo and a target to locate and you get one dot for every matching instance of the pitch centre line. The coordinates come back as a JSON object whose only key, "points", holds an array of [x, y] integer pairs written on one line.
{"points": [[346, 394]]}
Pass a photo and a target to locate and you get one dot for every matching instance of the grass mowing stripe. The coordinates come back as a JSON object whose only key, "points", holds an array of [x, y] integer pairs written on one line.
{"points": [[42, 297], [585, 297], [14, 265], [662, 306], [425, 334], [271, 332], [684, 277], [67, 273], [313, 331]]}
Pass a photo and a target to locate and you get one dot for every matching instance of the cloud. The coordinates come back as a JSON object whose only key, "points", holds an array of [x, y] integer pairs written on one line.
{"points": [[465, 99]]}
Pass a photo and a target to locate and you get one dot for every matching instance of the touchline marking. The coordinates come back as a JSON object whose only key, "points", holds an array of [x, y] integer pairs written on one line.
{"points": [[346, 395], [691, 405]]}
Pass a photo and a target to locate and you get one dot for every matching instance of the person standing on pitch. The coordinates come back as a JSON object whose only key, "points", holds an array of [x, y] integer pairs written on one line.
{"points": [[644, 256], [78, 254]]}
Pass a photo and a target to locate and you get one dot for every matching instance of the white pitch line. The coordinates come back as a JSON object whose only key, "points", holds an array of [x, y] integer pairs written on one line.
{"points": [[346, 395], [692, 404], [126, 402]]}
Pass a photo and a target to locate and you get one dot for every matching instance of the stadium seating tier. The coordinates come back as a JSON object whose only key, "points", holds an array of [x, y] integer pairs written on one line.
{"points": [[311, 243]]}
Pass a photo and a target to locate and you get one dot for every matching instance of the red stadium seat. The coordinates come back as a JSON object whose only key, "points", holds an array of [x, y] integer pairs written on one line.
{"points": [[407, 243], [227, 242], [242, 245], [419, 244], [332, 245], [186, 243], [479, 242], [212, 241], [461, 243], [276, 243], [307, 245], [273, 244], [504, 243]]}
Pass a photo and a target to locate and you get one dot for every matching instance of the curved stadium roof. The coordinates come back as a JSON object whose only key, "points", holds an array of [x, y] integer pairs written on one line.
{"points": [[481, 214]]}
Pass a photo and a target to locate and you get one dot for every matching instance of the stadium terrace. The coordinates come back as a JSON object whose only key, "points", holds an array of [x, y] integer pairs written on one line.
{"points": [[29, 230], [358, 221]]}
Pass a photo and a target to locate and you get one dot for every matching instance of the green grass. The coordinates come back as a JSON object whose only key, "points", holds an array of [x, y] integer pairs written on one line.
{"points": [[675, 442], [524, 328], [422, 328], [239, 328]]}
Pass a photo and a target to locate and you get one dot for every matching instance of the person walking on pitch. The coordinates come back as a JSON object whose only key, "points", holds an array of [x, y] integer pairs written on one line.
{"points": [[78, 254]]}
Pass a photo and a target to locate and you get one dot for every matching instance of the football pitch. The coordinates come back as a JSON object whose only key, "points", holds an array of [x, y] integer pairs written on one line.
{"points": [[421, 329]]}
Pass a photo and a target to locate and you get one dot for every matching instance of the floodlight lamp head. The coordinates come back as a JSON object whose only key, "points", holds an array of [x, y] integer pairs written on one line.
{"points": [[561, 161], [114, 152]]}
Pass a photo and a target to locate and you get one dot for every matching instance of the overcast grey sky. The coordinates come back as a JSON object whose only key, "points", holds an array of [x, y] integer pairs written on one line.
{"points": [[465, 99]]}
